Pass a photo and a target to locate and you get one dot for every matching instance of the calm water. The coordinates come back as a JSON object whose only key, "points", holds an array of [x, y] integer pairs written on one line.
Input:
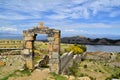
{"points": [[105, 48]]}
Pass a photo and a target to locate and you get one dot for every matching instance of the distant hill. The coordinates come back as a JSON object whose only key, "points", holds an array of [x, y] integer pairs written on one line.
{"points": [[85, 40]]}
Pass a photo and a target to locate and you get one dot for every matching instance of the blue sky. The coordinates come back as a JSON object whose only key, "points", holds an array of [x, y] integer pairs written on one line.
{"points": [[91, 18]]}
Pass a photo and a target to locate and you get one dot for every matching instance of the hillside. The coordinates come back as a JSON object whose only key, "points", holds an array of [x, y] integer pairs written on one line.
{"points": [[85, 40]]}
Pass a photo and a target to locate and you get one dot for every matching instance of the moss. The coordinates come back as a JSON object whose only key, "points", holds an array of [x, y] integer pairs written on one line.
{"points": [[25, 72], [6, 77], [58, 77], [74, 69]]}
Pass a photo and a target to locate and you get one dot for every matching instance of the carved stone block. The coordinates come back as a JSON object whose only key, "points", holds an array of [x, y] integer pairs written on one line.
{"points": [[55, 68], [29, 64], [55, 55], [57, 41], [25, 51], [2, 63], [29, 38], [50, 38], [42, 32], [56, 35], [29, 45], [55, 48], [50, 46]]}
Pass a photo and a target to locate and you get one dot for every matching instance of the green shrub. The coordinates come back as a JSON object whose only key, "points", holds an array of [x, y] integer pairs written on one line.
{"points": [[25, 72], [85, 66], [95, 70], [92, 78], [74, 69], [21, 73], [83, 47], [58, 77], [81, 75], [77, 49], [108, 78]]}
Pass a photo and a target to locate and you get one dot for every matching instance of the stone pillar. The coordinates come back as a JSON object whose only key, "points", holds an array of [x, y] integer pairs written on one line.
{"points": [[28, 50], [54, 51]]}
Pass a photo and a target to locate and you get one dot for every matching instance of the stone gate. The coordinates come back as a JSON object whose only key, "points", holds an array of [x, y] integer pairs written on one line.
{"points": [[53, 36]]}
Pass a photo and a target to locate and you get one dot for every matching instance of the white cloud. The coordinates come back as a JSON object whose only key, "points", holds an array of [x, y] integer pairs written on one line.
{"points": [[96, 25], [79, 1], [62, 9], [74, 32], [88, 25], [8, 29], [56, 13], [57, 17], [14, 16], [84, 8], [69, 30], [115, 14]]}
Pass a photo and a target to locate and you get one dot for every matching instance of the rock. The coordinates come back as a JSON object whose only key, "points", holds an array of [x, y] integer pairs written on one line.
{"points": [[21, 69], [2, 63], [83, 78], [71, 78], [66, 76]]}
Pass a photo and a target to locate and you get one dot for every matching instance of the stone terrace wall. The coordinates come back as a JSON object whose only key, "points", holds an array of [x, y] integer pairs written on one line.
{"points": [[67, 61], [10, 63], [15, 61]]}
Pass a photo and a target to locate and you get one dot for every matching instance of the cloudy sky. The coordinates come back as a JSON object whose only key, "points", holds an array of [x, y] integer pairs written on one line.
{"points": [[91, 18]]}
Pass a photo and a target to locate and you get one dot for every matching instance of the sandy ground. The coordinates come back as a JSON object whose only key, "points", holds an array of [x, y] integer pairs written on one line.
{"points": [[36, 75]]}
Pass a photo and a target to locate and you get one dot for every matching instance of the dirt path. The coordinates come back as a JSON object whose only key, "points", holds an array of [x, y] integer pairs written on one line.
{"points": [[36, 75]]}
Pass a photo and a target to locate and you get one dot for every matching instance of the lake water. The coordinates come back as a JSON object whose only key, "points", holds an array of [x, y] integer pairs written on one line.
{"points": [[105, 48]]}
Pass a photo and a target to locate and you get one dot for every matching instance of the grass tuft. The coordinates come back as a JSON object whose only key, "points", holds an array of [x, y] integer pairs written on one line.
{"points": [[58, 77]]}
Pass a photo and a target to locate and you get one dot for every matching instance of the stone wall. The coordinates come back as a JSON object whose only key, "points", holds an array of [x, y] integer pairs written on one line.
{"points": [[10, 63], [77, 58], [67, 61], [11, 44], [15, 61], [53, 36]]}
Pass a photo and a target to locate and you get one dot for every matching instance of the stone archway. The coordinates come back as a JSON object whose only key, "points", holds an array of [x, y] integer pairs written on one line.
{"points": [[53, 37]]}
